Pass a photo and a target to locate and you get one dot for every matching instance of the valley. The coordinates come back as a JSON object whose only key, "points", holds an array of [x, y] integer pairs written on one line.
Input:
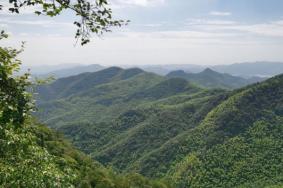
{"points": [[141, 94]]}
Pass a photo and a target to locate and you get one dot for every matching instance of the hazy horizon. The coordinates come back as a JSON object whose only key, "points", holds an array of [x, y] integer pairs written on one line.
{"points": [[161, 32], [141, 65]]}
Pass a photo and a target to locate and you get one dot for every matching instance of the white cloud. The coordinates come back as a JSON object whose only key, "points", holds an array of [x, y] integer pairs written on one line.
{"points": [[143, 3], [218, 13], [152, 25], [149, 50], [23, 34], [192, 22], [180, 35], [3, 25], [42, 23], [268, 29]]}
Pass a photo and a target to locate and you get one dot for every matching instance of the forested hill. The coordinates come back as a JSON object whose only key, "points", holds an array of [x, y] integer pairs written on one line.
{"points": [[36, 156], [99, 96], [65, 87], [212, 79], [236, 145], [139, 122]]}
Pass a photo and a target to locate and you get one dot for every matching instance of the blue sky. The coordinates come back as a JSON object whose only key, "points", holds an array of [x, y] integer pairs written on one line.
{"points": [[160, 32]]}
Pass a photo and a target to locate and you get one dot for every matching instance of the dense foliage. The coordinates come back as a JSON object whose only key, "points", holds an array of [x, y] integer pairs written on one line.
{"points": [[170, 128], [22, 161], [89, 173]]}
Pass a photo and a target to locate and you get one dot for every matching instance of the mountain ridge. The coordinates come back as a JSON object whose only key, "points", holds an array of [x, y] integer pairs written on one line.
{"points": [[211, 79]]}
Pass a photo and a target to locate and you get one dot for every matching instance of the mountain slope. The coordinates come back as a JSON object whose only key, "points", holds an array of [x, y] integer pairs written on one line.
{"points": [[156, 123], [92, 98], [65, 87], [211, 79], [118, 111], [218, 152]]}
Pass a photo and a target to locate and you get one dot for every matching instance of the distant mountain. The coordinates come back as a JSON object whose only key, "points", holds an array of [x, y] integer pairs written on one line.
{"points": [[165, 69], [73, 71], [256, 70], [262, 69], [45, 69], [170, 128], [65, 87], [103, 93], [246, 70], [212, 79]]}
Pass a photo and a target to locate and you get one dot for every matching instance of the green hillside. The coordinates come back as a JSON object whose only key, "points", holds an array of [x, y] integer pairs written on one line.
{"points": [[88, 96], [212, 79], [236, 145], [107, 119], [170, 128], [239, 143], [159, 122]]}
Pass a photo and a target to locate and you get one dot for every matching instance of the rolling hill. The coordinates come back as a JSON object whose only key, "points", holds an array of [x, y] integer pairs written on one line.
{"points": [[90, 95], [170, 128]]}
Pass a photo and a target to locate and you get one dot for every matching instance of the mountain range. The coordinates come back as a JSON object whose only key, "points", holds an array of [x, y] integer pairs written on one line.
{"points": [[209, 78], [245, 70], [261, 69], [171, 128]]}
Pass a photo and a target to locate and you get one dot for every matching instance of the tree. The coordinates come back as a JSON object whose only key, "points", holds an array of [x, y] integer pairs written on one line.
{"points": [[23, 162], [92, 17]]}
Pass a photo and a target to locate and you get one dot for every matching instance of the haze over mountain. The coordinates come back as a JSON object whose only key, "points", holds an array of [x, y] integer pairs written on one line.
{"points": [[66, 72], [263, 69], [170, 128], [246, 70], [212, 79], [45, 69], [165, 69]]}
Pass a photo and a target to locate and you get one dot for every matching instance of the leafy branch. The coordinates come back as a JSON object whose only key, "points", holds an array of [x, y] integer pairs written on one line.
{"points": [[93, 17]]}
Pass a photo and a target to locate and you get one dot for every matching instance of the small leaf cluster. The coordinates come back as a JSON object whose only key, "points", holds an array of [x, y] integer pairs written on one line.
{"points": [[93, 17]]}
